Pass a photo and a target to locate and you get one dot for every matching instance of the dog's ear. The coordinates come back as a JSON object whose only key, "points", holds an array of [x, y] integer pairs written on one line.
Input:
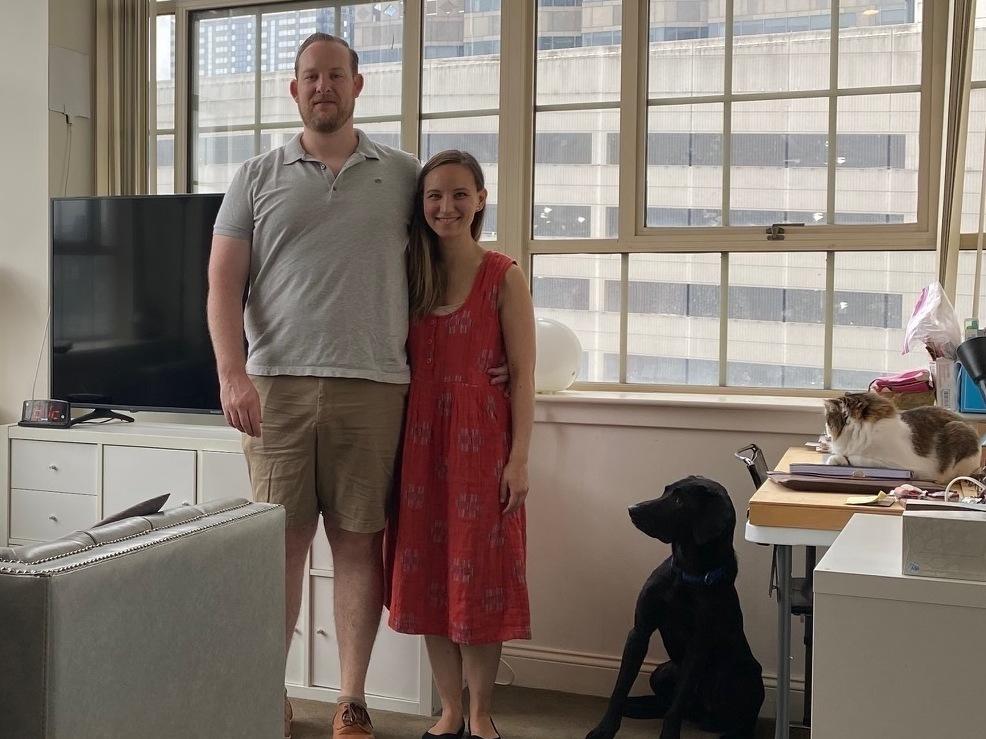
{"points": [[716, 516]]}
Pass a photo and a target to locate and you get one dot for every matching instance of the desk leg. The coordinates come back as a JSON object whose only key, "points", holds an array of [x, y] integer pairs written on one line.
{"points": [[782, 728]]}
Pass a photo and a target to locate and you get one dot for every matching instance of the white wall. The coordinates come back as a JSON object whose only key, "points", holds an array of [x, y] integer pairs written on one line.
{"points": [[586, 561], [23, 197], [70, 169]]}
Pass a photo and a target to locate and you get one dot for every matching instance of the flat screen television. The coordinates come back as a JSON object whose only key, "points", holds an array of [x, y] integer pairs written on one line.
{"points": [[128, 290]]}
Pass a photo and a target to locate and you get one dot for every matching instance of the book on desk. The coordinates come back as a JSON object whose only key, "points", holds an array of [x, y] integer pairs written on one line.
{"points": [[841, 479]]}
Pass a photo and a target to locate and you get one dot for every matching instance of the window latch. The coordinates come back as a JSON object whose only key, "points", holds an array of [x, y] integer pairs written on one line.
{"points": [[775, 231]]}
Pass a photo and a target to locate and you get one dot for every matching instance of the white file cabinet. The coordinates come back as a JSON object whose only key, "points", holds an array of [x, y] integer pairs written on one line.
{"points": [[895, 655], [56, 481]]}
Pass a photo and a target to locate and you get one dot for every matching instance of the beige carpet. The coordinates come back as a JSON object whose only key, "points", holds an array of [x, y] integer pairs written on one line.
{"points": [[520, 713]]}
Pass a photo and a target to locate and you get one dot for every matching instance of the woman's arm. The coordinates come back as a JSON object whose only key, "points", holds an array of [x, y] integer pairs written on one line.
{"points": [[517, 321]]}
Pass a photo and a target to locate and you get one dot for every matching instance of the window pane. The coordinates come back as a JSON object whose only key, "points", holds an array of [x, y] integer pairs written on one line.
{"points": [[388, 133], [684, 165], [165, 164], [571, 288], [376, 32], [879, 43], [783, 49], [974, 156], [461, 59], [875, 294], [673, 321], [964, 287], [164, 45], [280, 36], [277, 137], [979, 52], [217, 156], [776, 320], [686, 52], [876, 179], [576, 176], [778, 162], [223, 83], [478, 136], [578, 41]]}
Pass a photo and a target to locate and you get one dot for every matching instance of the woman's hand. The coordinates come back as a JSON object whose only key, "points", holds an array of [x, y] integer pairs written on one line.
{"points": [[513, 486]]}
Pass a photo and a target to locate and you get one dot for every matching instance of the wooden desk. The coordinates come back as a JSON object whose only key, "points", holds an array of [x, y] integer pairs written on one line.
{"points": [[786, 518], [776, 505]]}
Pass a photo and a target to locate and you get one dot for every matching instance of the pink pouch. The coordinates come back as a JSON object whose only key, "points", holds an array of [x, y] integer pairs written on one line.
{"points": [[912, 381]]}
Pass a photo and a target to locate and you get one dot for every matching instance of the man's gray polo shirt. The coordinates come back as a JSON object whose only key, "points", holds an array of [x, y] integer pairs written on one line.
{"points": [[328, 287]]}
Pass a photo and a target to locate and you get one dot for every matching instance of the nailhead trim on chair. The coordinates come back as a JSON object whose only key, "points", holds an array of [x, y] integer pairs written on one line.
{"points": [[67, 568]]}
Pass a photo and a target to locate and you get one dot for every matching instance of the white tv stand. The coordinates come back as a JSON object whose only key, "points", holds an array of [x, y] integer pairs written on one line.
{"points": [[56, 481]]}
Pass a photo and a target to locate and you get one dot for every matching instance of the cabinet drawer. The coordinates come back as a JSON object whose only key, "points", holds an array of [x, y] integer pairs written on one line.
{"points": [[41, 516], [395, 667], [132, 474], [224, 475], [57, 466]]}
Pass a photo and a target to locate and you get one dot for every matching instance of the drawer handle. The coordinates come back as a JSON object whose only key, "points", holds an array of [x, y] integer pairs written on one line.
{"points": [[53, 518], [53, 467], [320, 632], [297, 630]]}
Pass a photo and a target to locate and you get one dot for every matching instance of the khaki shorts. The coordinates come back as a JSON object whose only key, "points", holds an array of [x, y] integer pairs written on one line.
{"points": [[328, 445]]}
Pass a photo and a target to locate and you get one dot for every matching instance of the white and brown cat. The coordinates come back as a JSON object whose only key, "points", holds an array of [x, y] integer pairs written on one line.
{"points": [[867, 430]]}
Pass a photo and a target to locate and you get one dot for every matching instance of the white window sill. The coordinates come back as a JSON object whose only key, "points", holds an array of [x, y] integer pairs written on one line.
{"points": [[763, 413]]}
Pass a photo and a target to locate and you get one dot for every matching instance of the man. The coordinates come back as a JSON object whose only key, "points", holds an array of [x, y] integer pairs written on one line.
{"points": [[318, 227]]}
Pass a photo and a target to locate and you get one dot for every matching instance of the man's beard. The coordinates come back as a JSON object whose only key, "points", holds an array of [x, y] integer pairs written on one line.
{"points": [[325, 122]]}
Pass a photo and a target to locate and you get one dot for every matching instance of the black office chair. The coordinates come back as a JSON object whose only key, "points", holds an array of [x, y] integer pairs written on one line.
{"points": [[801, 587]]}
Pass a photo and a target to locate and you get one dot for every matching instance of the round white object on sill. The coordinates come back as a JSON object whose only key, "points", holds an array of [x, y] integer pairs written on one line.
{"points": [[559, 354]]}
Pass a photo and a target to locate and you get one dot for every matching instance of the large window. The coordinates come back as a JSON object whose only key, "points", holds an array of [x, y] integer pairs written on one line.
{"points": [[753, 114], [242, 62], [711, 193]]}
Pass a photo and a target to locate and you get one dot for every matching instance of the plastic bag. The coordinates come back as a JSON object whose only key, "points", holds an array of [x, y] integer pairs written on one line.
{"points": [[933, 324]]}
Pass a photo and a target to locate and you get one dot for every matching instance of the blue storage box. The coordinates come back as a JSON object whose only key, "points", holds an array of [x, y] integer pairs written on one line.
{"points": [[970, 398]]}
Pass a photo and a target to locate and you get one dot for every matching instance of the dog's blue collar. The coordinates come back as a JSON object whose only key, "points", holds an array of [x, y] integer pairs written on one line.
{"points": [[709, 578]]}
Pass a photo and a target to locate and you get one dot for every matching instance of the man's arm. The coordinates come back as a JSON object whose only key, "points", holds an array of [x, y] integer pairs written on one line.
{"points": [[229, 269]]}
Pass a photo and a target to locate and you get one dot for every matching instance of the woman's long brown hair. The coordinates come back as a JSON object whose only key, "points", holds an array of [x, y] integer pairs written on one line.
{"points": [[426, 277]]}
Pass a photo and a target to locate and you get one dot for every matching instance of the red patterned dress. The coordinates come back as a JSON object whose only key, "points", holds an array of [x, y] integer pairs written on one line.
{"points": [[457, 564]]}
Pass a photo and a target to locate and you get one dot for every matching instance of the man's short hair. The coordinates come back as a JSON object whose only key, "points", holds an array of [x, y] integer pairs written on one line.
{"points": [[319, 36]]}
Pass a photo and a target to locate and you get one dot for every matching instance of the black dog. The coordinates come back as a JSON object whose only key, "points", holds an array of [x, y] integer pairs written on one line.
{"points": [[712, 678]]}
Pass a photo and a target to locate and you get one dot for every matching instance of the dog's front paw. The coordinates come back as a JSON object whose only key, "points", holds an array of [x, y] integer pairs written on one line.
{"points": [[837, 459], [602, 732]]}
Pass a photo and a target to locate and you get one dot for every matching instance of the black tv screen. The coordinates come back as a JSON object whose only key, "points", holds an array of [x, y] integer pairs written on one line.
{"points": [[128, 290]]}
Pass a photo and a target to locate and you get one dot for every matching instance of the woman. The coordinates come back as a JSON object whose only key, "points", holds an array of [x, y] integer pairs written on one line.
{"points": [[458, 560]]}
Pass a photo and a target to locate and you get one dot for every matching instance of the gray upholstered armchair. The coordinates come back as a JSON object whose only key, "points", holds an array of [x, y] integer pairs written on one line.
{"points": [[161, 626]]}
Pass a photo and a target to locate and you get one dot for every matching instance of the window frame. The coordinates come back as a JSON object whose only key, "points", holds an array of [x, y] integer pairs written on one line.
{"points": [[516, 153]]}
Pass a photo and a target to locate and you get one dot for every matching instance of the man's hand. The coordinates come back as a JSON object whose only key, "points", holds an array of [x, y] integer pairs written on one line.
{"points": [[241, 403], [513, 486], [499, 375]]}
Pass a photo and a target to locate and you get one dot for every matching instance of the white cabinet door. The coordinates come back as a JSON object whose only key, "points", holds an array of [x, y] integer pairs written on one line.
{"points": [[62, 467], [224, 475], [42, 516], [132, 474], [395, 668], [295, 673], [325, 649]]}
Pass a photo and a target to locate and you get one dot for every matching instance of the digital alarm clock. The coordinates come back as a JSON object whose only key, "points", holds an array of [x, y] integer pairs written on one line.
{"points": [[46, 414]]}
